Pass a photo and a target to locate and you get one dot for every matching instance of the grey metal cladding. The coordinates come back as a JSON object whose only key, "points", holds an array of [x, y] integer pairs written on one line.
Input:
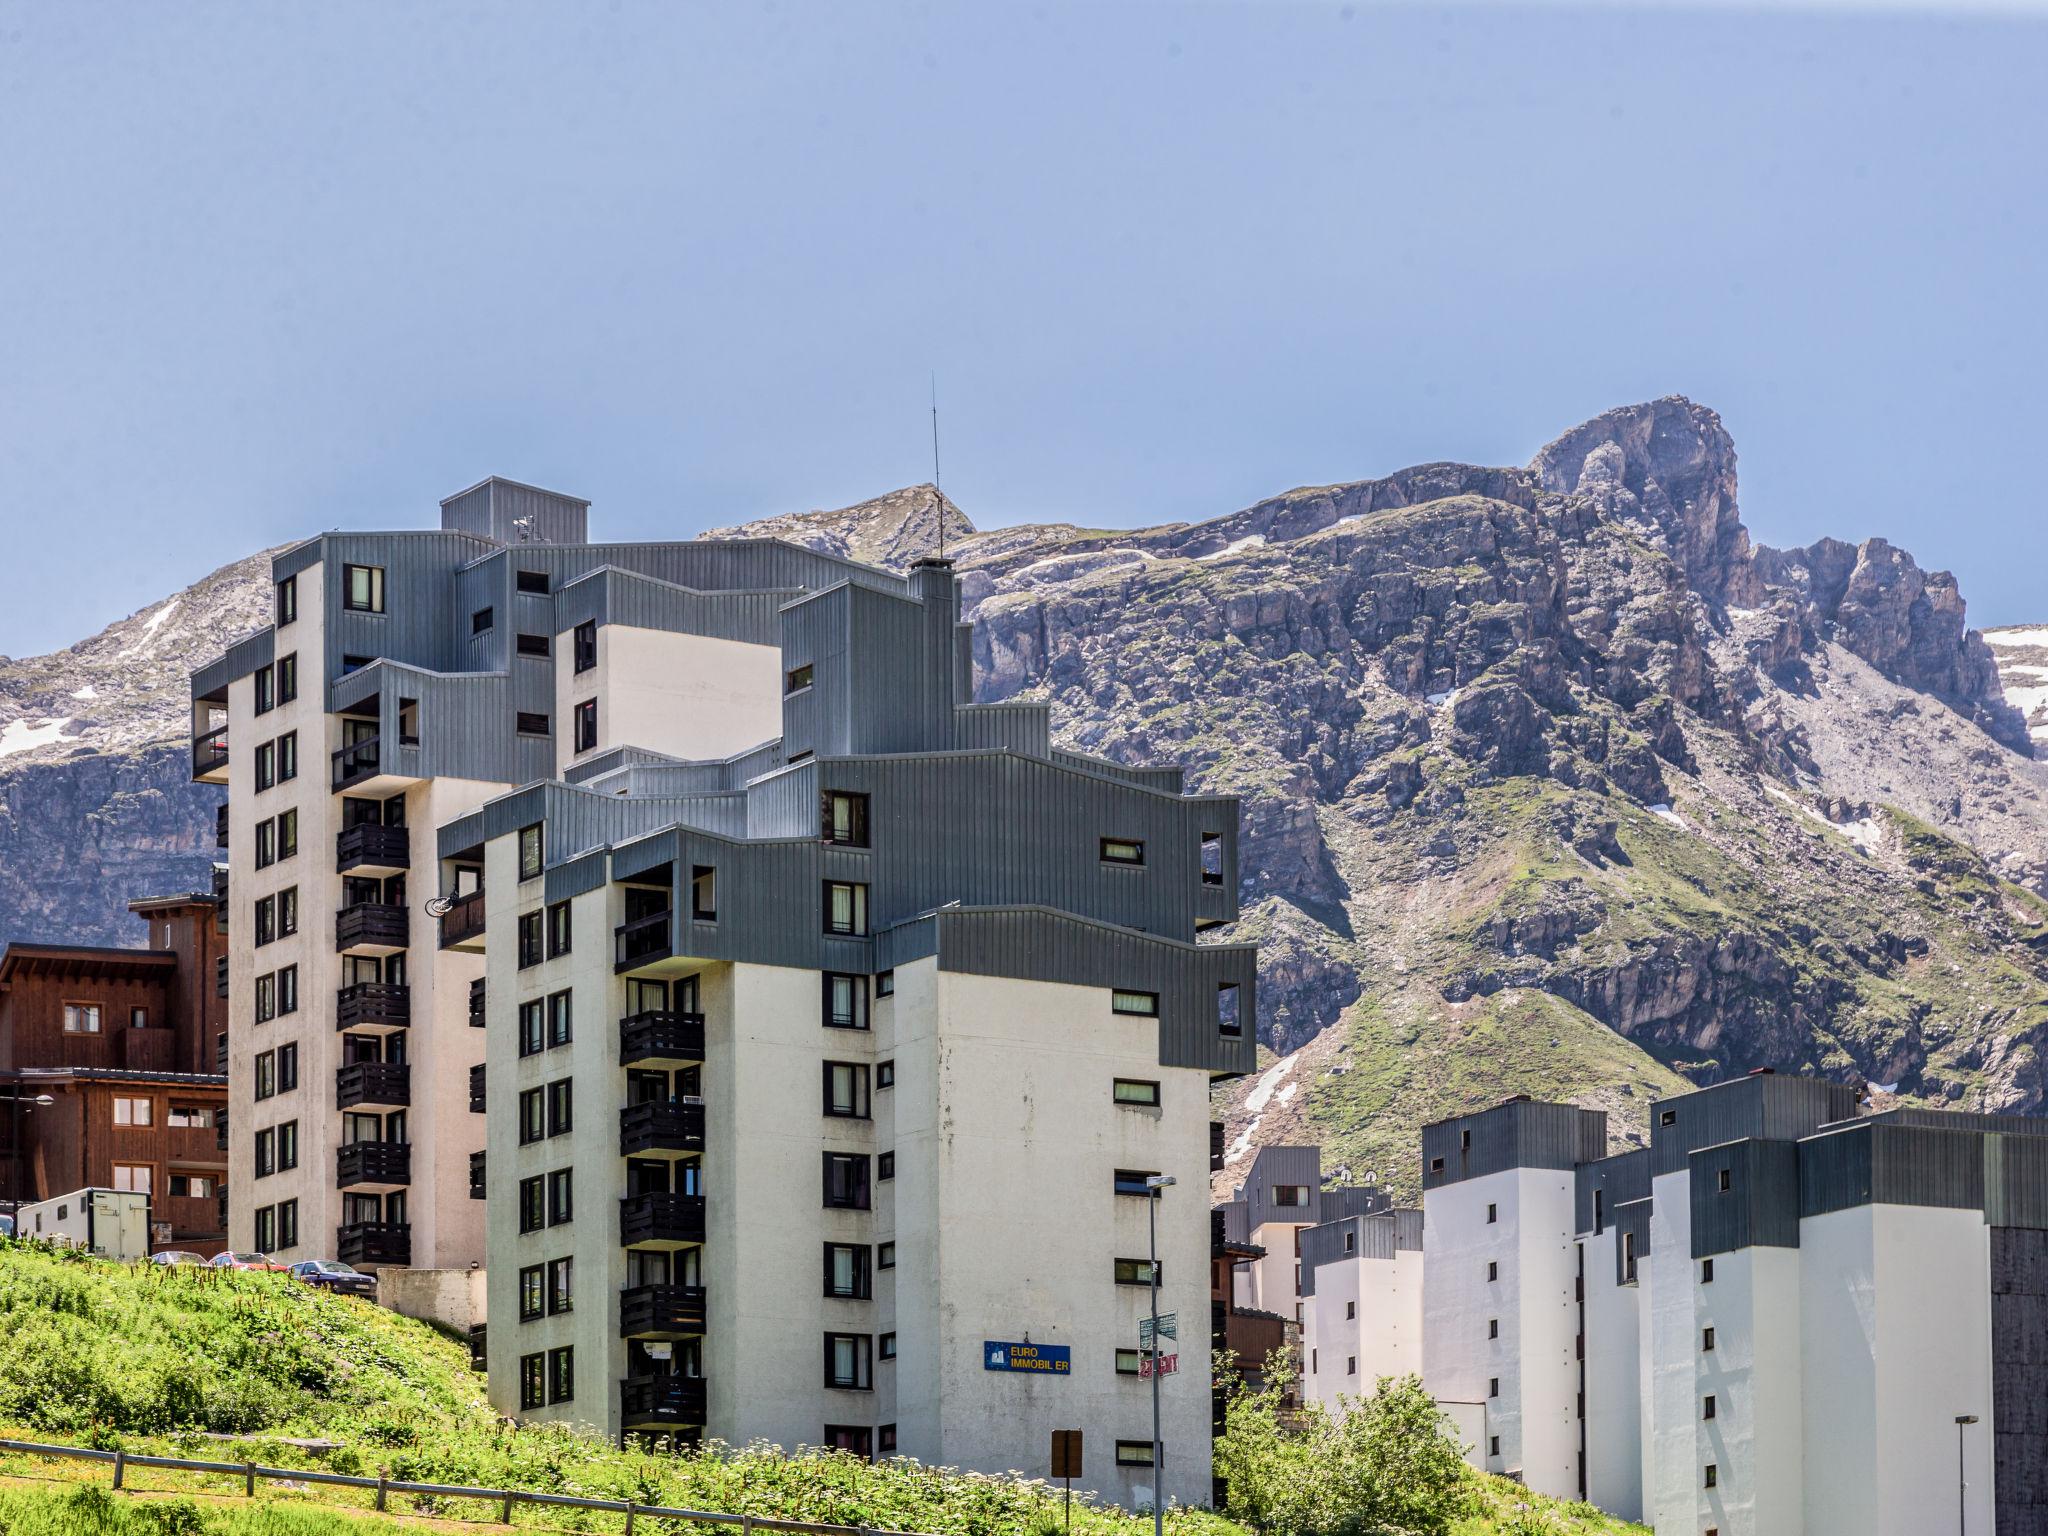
{"points": [[1237, 1227], [1521, 1133], [515, 514], [1617, 1180], [1872, 1163], [1353, 1200], [466, 723], [1631, 1223], [1745, 1194], [2016, 1182], [1280, 1167], [1762, 1105], [578, 820], [1958, 1120], [1167, 780], [237, 661], [1381, 1235], [1324, 1244], [614, 595]]}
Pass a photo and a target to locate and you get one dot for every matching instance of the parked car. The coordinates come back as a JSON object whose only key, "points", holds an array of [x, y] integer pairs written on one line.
{"points": [[333, 1275], [176, 1256], [231, 1260], [6, 1226]]}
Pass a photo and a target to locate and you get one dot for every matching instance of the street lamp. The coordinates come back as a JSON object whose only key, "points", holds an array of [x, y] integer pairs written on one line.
{"points": [[1963, 1421], [1153, 1184]]}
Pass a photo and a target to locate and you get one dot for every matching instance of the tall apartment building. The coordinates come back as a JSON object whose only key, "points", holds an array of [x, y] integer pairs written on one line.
{"points": [[1793, 1319], [1361, 1281], [107, 1072], [828, 1023], [1280, 1198]]}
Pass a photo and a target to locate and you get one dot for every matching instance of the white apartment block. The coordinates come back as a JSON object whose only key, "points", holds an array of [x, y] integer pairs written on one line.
{"points": [[1362, 1275], [790, 1035]]}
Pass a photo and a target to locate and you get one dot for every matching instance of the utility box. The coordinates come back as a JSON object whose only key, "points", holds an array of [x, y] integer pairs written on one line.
{"points": [[112, 1223]]}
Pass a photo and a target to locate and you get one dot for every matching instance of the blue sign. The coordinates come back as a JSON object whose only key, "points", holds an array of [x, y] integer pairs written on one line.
{"points": [[1051, 1359]]}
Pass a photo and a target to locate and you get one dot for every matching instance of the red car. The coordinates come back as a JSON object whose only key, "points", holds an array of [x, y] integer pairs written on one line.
{"points": [[231, 1260]]}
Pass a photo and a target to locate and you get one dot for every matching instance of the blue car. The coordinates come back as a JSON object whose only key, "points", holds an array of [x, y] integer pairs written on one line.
{"points": [[333, 1275]]}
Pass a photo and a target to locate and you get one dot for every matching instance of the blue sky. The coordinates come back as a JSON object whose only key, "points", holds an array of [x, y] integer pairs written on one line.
{"points": [[266, 270]]}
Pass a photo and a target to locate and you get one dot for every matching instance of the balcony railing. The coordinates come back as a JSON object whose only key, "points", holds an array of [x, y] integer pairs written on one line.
{"points": [[673, 1039], [370, 925], [368, 1244], [642, 940], [477, 1187], [463, 921], [220, 1053], [661, 1219], [1218, 1235], [662, 1126], [210, 754], [220, 826], [220, 1127], [662, 1402], [372, 1162], [1216, 1146], [373, 1084], [370, 846], [661, 1311], [220, 978], [476, 1003], [373, 1005], [355, 763], [476, 1089]]}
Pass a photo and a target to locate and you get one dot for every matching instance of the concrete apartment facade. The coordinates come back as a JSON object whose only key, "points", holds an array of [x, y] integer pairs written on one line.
{"points": [[1784, 1307], [1362, 1279], [782, 1028]]}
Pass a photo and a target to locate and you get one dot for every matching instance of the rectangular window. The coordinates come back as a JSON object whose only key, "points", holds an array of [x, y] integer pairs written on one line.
{"points": [[586, 726], [846, 1090], [532, 1117], [362, 588], [846, 1271], [1229, 1010], [532, 1293], [1133, 1090], [266, 765], [846, 1001], [560, 1104], [481, 621], [1628, 1258], [190, 1117], [266, 844], [266, 998], [885, 983], [560, 931], [532, 1028], [885, 1166], [1290, 1195], [586, 645], [561, 1020], [561, 1286], [1139, 1005], [1493, 1327], [561, 1196], [1351, 1365], [288, 688], [1493, 1445], [885, 1074], [796, 679], [266, 1228], [287, 1068], [529, 939], [288, 911], [846, 819], [1713, 1475], [1133, 1272], [1212, 858], [531, 852], [1668, 1117], [81, 1018], [1493, 1386], [846, 1181], [266, 1154], [532, 1381], [532, 1204], [287, 601], [1727, 1179], [266, 1074], [1492, 1214], [287, 756], [846, 908], [288, 1145], [1128, 1362], [531, 724], [1122, 850], [134, 1178], [849, 1361], [531, 645], [265, 687], [288, 1224], [1706, 1340], [132, 1111], [1492, 1269], [885, 1434], [535, 582], [1707, 1406], [885, 1256], [1131, 1181], [1706, 1271], [287, 989], [287, 834], [704, 893], [885, 1347], [1134, 1453]]}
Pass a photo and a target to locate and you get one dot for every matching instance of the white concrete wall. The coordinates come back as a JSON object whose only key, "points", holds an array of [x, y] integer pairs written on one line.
{"points": [[1614, 1446], [1274, 1283], [691, 696], [1382, 1334], [455, 1298], [1671, 1475], [1753, 1373]]}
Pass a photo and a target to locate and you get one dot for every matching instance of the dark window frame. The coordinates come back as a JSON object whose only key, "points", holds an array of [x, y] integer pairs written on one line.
{"points": [[1135, 859], [373, 589], [863, 1379], [586, 725]]}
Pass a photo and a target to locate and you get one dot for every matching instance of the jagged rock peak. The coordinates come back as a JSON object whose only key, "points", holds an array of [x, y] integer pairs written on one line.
{"points": [[889, 531], [1667, 466]]}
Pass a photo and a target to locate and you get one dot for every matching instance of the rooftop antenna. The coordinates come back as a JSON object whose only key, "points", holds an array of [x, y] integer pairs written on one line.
{"points": [[939, 509]]}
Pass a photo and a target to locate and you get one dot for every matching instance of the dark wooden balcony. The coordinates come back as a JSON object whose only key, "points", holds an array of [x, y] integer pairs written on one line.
{"points": [[373, 1005], [661, 1039], [370, 849], [355, 763], [370, 928], [1216, 1146], [477, 1187], [662, 1402], [661, 1312], [220, 826], [373, 1165], [220, 1126], [371, 1244], [220, 980], [662, 1127], [643, 941], [476, 1089], [661, 1221], [210, 756], [373, 1085], [462, 925], [476, 1003]]}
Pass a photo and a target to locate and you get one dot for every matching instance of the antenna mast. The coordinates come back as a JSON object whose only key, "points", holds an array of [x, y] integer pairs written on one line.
{"points": [[939, 507]]}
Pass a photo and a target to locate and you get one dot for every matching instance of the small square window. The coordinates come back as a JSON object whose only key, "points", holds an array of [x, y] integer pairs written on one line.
{"points": [[885, 1256], [885, 1074], [481, 621], [1707, 1406], [1668, 1117], [534, 582], [530, 852], [362, 588], [1436, 1165]]}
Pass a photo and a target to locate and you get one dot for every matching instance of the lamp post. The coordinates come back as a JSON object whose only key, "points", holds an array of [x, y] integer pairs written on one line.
{"points": [[1153, 1185], [1963, 1422]]}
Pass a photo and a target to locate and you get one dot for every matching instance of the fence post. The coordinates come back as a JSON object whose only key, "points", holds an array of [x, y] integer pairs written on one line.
{"points": [[383, 1487], [506, 1517], [120, 1465], [249, 1478], [629, 1517]]}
